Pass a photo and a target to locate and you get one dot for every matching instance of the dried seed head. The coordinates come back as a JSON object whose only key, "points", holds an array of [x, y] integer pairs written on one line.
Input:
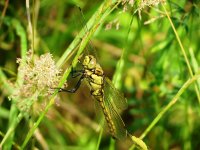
{"points": [[39, 75], [113, 23], [148, 3], [141, 4], [128, 4]]}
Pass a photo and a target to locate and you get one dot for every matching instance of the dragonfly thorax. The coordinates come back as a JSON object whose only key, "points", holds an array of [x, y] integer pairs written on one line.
{"points": [[92, 67], [94, 74]]}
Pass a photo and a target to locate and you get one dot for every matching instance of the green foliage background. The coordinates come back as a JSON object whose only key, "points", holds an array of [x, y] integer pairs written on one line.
{"points": [[150, 72]]}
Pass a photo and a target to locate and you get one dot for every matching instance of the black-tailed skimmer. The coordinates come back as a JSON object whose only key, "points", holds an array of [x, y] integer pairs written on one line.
{"points": [[102, 89]]}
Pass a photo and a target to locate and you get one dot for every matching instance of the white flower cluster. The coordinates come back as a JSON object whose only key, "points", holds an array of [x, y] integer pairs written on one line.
{"points": [[39, 75]]}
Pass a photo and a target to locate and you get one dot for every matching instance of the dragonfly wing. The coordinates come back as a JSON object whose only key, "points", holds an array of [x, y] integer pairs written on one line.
{"points": [[98, 111], [120, 131], [114, 94]]}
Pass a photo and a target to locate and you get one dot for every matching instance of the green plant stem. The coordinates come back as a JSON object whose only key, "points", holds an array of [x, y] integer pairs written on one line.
{"points": [[112, 144], [117, 78], [14, 117], [4, 12], [4, 83], [14, 144], [195, 64], [12, 127], [172, 102], [183, 51], [99, 139], [31, 131], [99, 16], [30, 24], [51, 102]]}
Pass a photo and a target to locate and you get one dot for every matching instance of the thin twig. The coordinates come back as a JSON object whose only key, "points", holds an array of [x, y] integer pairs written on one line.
{"points": [[4, 12], [29, 22], [164, 110], [183, 52]]}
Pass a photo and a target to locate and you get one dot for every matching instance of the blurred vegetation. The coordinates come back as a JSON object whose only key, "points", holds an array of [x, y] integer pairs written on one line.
{"points": [[135, 45]]}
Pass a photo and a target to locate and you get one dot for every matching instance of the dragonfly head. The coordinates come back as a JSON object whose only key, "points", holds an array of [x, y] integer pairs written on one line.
{"points": [[89, 62]]}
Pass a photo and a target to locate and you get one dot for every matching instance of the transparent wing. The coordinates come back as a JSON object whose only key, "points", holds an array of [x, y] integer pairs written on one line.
{"points": [[89, 48], [115, 96], [121, 131]]}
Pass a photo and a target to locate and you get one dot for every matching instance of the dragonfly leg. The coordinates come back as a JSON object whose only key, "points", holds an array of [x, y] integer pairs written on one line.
{"points": [[73, 90], [76, 73]]}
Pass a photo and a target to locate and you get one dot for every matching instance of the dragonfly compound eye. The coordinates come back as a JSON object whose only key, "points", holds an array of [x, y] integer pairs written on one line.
{"points": [[86, 61], [89, 62]]}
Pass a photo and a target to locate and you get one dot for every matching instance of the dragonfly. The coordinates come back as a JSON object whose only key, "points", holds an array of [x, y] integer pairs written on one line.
{"points": [[109, 98]]}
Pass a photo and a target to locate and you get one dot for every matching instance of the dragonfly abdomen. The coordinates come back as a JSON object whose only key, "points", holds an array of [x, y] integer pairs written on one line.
{"points": [[98, 87], [96, 84], [107, 117]]}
